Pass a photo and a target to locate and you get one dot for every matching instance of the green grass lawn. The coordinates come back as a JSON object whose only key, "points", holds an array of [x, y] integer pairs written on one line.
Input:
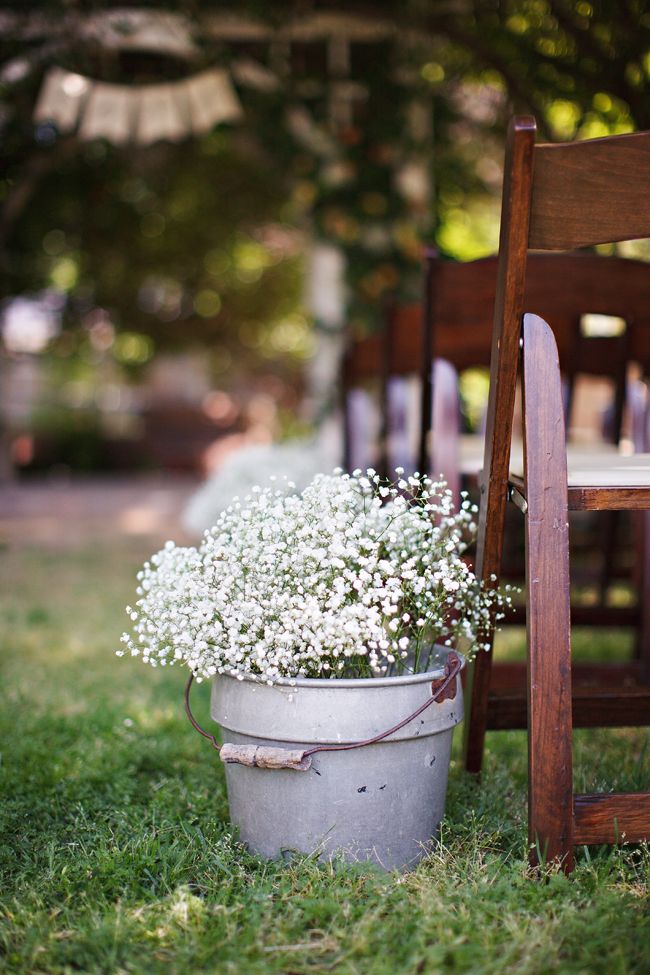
{"points": [[116, 854]]}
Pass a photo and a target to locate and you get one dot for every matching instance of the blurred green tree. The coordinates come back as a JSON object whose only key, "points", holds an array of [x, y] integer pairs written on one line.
{"points": [[165, 237]]}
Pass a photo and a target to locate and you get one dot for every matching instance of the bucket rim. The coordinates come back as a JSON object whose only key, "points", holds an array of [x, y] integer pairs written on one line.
{"points": [[354, 682]]}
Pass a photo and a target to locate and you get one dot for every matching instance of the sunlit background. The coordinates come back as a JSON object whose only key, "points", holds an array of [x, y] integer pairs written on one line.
{"points": [[198, 207]]}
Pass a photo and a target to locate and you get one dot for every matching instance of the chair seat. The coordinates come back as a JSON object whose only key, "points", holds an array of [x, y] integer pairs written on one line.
{"points": [[470, 453], [600, 467], [596, 465]]}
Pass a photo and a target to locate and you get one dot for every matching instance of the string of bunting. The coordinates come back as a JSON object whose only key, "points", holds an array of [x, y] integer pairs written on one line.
{"points": [[140, 114]]}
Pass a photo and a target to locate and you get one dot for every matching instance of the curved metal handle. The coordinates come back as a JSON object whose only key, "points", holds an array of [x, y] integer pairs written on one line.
{"points": [[188, 711], [439, 688], [452, 669]]}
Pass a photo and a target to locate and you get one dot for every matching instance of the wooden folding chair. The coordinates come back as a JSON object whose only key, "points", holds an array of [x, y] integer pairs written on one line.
{"points": [[556, 198], [459, 305]]}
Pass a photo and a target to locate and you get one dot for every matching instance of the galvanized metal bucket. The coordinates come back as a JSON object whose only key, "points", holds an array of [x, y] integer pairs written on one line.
{"points": [[382, 802]]}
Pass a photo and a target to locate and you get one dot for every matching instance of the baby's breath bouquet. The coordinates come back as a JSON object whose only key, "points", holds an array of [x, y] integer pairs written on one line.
{"points": [[353, 577]]}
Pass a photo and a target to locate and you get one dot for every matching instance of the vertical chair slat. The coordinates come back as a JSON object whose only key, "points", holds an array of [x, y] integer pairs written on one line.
{"points": [[548, 622]]}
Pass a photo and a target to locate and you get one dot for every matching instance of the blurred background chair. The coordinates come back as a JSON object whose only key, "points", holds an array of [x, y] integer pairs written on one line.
{"points": [[381, 401], [600, 326], [362, 368], [459, 303], [402, 403]]}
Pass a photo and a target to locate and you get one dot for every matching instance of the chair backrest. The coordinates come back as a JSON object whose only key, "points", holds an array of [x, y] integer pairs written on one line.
{"points": [[399, 403], [555, 197], [461, 303], [461, 299], [586, 193]]}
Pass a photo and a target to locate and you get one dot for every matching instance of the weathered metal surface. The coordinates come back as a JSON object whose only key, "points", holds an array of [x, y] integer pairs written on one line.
{"points": [[382, 802]]}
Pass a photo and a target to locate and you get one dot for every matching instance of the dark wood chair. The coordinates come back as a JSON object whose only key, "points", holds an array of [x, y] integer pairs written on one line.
{"points": [[459, 306], [460, 298], [378, 408], [557, 198], [459, 301]]}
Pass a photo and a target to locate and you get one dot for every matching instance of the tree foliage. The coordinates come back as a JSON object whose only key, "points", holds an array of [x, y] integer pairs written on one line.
{"points": [[130, 221]]}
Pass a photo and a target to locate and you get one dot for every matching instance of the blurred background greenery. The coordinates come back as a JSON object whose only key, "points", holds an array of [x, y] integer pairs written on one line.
{"points": [[156, 287]]}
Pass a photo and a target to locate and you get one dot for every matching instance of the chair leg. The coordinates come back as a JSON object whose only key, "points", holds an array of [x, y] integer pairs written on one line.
{"points": [[550, 782], [477, 690]]}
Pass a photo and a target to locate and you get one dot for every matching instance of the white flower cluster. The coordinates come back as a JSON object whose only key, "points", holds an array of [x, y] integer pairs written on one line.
{"points": [[354, 577]]}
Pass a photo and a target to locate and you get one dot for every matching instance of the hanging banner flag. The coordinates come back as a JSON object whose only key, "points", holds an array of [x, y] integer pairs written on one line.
{"points": [[212, 99], [162, 114], [108, 113], [136, 113], [61, 99]]}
